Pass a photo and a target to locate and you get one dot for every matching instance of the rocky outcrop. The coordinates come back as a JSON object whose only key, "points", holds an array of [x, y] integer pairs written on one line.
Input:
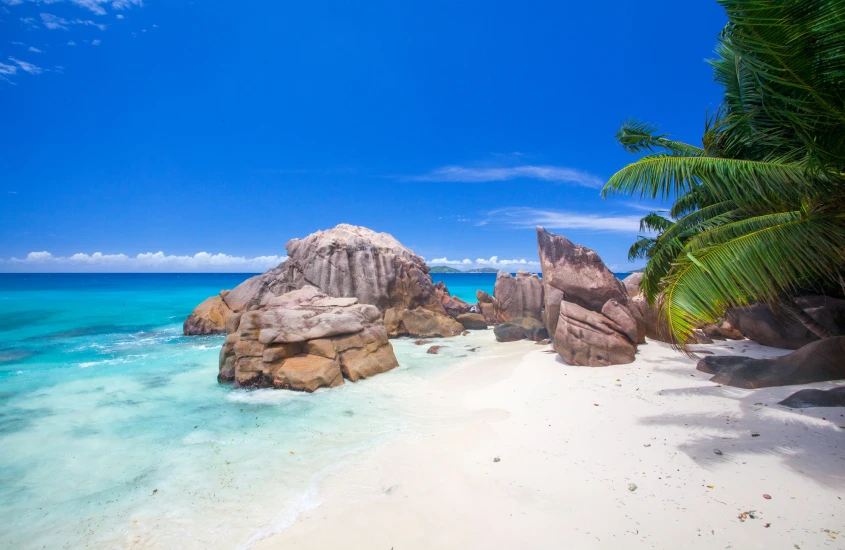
{"points": [[420, 323], [819, 361], [486, 306], [587, 310], [521, 328], [804, 399], [632, 283], [304, 340], [759, 323], [208, 318], [515, 297], [346, 261], [472, 321], [453, 305]]}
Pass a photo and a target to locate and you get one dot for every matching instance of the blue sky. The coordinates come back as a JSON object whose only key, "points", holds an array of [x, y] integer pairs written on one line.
{"points": [[185, 127]]}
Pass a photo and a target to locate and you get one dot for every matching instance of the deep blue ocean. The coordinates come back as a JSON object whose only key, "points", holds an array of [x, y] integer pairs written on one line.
{"points": [[115, 433]]}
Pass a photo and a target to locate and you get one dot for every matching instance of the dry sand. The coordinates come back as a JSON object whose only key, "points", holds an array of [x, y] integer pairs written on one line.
{"points": [[573, 442]]}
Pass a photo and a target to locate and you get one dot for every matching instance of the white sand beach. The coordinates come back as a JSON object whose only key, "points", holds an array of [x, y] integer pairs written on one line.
{"points": [[572, 443]]}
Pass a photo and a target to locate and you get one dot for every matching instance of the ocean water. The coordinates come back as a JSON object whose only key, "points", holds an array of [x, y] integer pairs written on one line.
{"points": [[115, 434]]}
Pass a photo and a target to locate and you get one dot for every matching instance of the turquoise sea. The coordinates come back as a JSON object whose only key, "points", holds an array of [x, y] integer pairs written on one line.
{"points": [[115, 433]]}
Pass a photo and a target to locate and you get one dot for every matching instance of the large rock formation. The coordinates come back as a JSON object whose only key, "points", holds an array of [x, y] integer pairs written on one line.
{"points": [[347, 261], [304, 340], [632, 283], [453, 305], [515, 297], [521, 328], [588, 313], [486, 306], [760, 324], [819, 361]]}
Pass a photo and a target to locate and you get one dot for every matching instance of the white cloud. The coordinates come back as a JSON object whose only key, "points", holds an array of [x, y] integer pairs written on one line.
{"points": [[7, 69], [492, 261], [89, 23], [148, 262], [54, 22], [33, 49], [93, 5], [71, 43], [125, 4], [26, 67], [558, 174], [446, 261], [529, 218], [95, 42], [119, 16]]}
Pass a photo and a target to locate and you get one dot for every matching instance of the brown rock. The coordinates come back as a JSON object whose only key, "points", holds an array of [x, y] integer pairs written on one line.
{"points": [[433, 350], [520, 296], [632, 283], [208, 318], [588, 338], [521, 328], [423, 322], [759, 323], [588, 312], [346, 261], [472, 321], [818, 361], [304, 340]]}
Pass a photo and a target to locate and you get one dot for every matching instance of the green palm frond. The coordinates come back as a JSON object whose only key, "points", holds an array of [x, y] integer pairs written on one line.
{"points": [[638, 137], [748, 182], [641, 248], [758, 265], [655, 223]]}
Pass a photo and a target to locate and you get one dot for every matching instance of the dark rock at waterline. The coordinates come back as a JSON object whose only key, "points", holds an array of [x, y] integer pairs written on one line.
{"points": [[759, 323], [472, 321], [453, 305], [521, 328], [304, 340], [805, 399], [816, 362]]}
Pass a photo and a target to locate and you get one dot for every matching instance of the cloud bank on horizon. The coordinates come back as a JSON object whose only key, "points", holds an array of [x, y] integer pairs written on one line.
{"points": [[148, 262]]}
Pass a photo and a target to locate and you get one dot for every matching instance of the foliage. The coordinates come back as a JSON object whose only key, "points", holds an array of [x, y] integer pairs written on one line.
{"points": [[759, 209]]}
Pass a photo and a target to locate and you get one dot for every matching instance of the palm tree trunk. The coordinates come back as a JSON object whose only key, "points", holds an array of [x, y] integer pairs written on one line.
{"points": [[812, 325]]}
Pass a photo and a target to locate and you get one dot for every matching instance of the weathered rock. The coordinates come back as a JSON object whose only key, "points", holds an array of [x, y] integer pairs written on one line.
{"points": [[588, 312], [483, 297], [453, 305], [759, 323], [346, 261], [818, 361], [208, 318], [632, 283], [521, 328], [433, 350], [472, 321], [304, 340], [520, 296], [805, 399], [420, 323], [588, 338]]}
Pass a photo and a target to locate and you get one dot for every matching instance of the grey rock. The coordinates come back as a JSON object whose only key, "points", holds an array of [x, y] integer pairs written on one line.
{"points": [[804, 399], [818, 361], [759, 323]]}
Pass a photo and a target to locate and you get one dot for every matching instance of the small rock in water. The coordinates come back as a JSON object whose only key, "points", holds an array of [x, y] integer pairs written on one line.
{"points": [[767, 497], [632, 487], [422, 342], [464, 333], [647, 445], [433, 350], [717, 451], [497, 459]]}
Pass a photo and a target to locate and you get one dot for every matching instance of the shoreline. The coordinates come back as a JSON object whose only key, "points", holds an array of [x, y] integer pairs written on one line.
{"points": [[571, 440]]}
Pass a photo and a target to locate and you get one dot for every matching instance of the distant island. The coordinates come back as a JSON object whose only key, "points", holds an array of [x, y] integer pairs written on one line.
{"points": [[447, 269]]}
